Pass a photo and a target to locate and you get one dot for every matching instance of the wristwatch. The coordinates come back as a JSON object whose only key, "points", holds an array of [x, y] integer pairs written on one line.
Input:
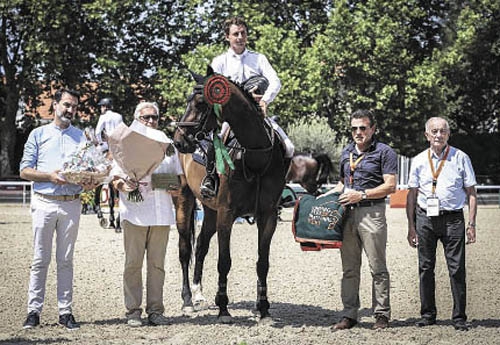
{"points": [[363, 195]]}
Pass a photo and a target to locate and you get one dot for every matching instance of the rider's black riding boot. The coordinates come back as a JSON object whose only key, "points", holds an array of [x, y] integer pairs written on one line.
{"points": [[208, 188]]}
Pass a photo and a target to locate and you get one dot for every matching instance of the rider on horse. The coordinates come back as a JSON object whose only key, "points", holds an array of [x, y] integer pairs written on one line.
{"points": [[255, 73]]}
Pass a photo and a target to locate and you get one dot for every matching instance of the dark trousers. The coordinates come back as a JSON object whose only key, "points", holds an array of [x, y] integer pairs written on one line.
{"points": [[450, 230]]}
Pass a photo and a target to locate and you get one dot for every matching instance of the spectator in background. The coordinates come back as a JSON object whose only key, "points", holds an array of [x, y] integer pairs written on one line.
{"points": [[108, 121]]}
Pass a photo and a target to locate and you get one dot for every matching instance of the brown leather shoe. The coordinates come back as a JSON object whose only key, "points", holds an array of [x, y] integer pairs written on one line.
{"points": [[345, 323], [381, 322]]}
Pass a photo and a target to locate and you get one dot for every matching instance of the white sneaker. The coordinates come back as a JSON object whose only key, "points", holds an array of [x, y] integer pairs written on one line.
{"points": [[134, 321], [157, 319]]}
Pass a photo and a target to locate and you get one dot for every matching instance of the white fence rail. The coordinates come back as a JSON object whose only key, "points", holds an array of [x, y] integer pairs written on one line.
{"points": [[9, 191]]}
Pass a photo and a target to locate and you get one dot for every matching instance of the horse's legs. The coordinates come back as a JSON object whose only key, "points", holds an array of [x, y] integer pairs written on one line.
{"points": [[224, 227], [185, 227], [208, 230], [266, 225], [97, 201], [111, 204]]}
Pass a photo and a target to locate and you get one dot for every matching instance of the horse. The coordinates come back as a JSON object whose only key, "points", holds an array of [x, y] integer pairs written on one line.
{"points": [[310, 171], [252, 189]]}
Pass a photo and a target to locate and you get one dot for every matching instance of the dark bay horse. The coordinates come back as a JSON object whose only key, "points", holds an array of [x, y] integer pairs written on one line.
{"points": [[253, 188], [310, 171]]}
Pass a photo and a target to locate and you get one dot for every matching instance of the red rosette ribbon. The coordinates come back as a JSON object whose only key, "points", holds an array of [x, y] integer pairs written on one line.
{"points": [[217, 90]]}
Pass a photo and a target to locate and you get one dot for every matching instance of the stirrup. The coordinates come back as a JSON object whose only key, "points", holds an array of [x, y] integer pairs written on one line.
{"points": [[207, 192]]}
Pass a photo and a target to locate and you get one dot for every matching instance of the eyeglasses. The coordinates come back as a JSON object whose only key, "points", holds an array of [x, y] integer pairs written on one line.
{"points": [[436, 131], [148, 118], [361, 128]]}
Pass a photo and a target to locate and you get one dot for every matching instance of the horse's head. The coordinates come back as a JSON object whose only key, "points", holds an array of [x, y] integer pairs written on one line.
{"points": [[196, 122], [215, 99]]}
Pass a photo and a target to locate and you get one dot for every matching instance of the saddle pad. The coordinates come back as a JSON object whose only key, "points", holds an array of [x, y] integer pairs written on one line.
{"points": [[317, 223], [199, 155]]}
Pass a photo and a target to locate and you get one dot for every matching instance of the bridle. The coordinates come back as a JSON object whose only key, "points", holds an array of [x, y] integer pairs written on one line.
{"points": [[198, 127]]}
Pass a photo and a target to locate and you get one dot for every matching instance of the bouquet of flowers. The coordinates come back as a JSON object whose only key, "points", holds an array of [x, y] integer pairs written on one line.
{"points": [[87, 165], [138, 150]]}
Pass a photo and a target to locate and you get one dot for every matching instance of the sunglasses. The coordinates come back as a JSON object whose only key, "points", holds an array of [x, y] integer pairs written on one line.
{"points": [[361, 128], [148, 118]]}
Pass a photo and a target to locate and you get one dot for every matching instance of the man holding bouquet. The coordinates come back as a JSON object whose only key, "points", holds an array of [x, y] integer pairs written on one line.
{"points": [[146, 222], [55, 207]]}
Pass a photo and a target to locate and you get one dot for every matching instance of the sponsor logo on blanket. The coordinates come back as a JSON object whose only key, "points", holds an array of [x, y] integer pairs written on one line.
{"points": [[324, 214]]}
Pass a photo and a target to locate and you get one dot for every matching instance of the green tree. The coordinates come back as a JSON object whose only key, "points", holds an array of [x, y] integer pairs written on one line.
{"points": [[39, 51]]}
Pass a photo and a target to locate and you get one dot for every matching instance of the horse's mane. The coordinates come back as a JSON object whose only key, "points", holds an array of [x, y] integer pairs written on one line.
{"points": [[246, 93]]}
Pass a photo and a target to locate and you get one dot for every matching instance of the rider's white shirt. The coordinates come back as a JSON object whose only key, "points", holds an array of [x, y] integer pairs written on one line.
{"points": [[242, 67], [107, 122]]}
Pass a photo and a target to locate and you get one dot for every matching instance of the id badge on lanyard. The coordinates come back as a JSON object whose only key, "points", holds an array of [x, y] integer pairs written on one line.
{"points": [[433, 201], [432, 206]]}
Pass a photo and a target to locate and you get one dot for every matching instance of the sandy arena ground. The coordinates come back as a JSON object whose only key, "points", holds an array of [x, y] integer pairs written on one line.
{"points": [[304, 291]]}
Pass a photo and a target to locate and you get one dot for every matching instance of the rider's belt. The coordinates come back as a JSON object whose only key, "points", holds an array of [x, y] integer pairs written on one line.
{"points": [[367, 203], [58, 197]]}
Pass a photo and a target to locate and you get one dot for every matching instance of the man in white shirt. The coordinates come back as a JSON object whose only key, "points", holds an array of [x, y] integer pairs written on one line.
{"points": [[241, 66], [441, 183], [108, 121]]}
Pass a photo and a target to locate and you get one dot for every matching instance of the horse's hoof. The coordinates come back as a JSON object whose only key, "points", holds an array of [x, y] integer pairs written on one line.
{"points": [[187, 310], [225, 319], [103, 223], [201, 305], [266, 321]]}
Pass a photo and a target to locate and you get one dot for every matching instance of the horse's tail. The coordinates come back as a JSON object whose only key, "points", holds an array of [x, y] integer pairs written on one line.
{"points": [[325, 168]]}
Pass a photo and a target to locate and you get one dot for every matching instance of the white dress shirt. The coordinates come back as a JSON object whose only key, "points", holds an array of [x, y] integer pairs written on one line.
{"points": [[240, 68], [157, 206], [107, 122], [457, 174]]}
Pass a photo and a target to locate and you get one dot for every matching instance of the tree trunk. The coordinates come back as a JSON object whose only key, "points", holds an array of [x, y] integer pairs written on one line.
{"points": [[8, 133]]}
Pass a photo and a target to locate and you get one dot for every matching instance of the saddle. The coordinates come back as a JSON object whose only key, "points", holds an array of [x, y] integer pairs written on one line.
{"points": [[317, 223]]}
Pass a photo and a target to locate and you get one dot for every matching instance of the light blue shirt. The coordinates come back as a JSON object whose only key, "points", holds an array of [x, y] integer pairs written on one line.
{"points": [[456, 175], [46, 149], [240, 68]]}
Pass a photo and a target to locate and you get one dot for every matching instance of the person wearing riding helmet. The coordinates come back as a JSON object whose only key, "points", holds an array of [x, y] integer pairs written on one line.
{"points": [[253, 71], [108, 121]]}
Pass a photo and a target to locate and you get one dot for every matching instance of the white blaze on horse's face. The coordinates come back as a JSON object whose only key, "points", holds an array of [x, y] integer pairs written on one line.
{"points": [[237, 38]]}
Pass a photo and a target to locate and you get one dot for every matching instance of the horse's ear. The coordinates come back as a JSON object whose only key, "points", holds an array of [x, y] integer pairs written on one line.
{"points": [[210, 70], [197, 78]]}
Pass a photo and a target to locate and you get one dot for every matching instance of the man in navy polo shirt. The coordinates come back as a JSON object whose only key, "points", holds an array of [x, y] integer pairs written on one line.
{"points": [[368, 171]]}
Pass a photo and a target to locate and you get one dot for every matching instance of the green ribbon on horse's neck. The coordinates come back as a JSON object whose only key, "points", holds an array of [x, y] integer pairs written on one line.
{"points": [[221, 153]]}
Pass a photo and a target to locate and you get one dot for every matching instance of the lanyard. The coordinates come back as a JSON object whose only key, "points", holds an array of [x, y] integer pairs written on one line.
{"points": [[435, 173], [353, 164]]}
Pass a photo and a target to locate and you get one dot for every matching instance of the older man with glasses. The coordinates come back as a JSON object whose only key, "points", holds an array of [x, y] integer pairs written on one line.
{"points": [[442, 182], [367, 175], [146, 225]]}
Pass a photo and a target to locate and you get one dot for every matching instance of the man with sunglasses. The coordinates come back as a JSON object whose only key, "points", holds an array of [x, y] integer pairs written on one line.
{"points": [[368, 171], [441, 183], [146, 226]]}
